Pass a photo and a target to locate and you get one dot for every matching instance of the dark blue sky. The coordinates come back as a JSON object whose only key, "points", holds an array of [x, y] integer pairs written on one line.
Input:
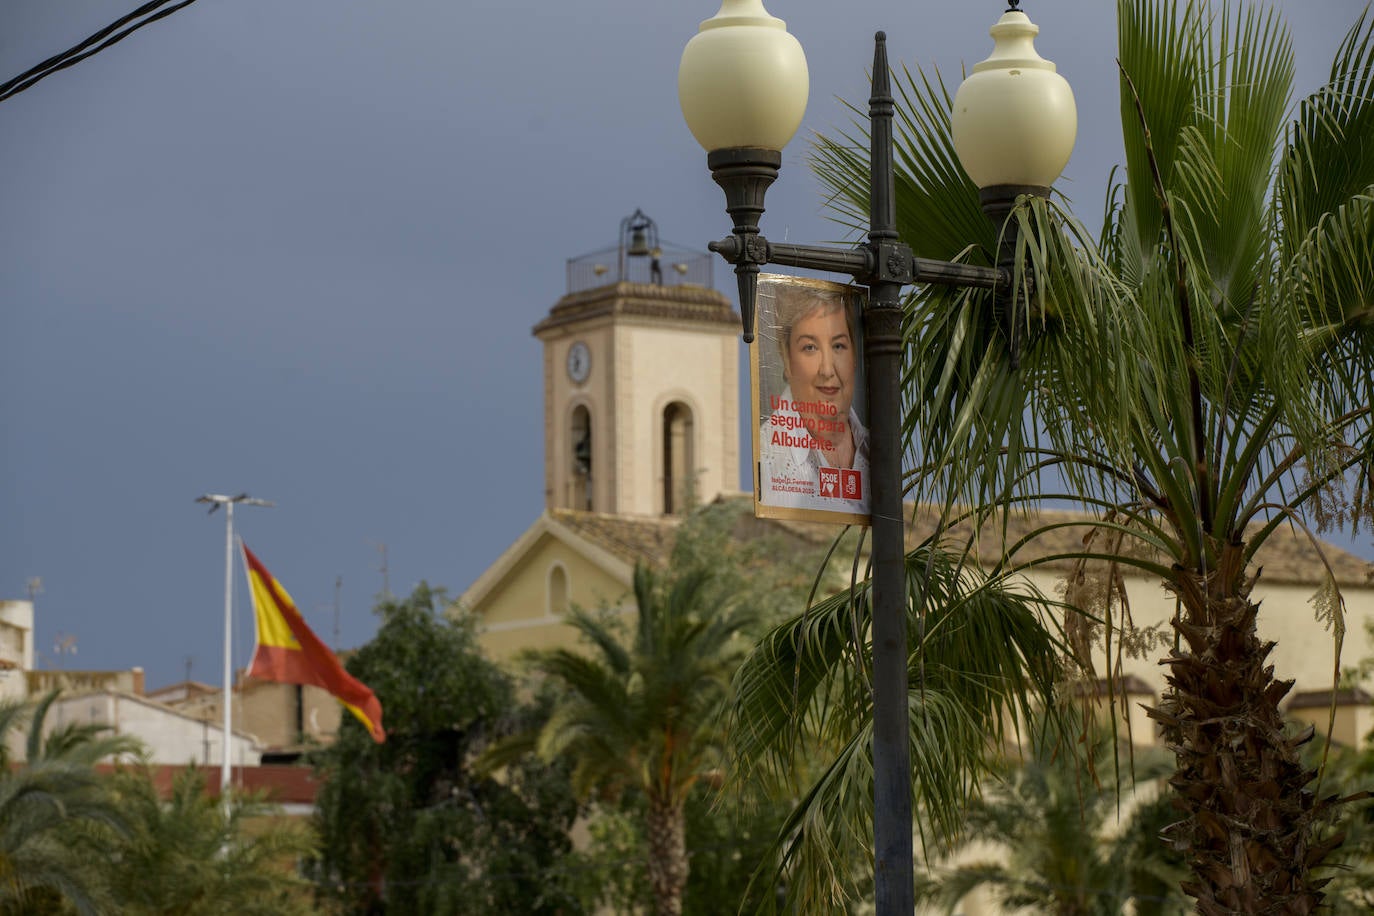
{"points": [[296, 248]]}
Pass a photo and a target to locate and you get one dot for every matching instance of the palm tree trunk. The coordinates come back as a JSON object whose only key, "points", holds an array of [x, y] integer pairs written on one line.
{"points": [[1250, 824], [667, 856]]}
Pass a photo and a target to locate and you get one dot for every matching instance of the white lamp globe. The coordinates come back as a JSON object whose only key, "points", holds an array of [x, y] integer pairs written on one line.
{"points": [[743, 81], [1014, 119]]}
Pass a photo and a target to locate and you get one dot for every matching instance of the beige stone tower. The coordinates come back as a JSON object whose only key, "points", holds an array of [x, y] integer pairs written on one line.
{"points": [[641, 381]]}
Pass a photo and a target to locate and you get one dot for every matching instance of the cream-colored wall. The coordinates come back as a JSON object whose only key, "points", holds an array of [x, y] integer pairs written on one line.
{"points": [[129, 681], [1304, 647], [1353, 724], [638, 367], [561, 397], [516, 616], [658, 363], [267, 711]]}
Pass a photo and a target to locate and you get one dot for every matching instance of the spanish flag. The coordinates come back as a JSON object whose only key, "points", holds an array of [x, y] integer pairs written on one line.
{"points": [[288, 651]]}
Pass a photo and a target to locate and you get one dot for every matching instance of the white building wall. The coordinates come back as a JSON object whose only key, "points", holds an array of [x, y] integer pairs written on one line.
{"points": [[170, 737], [16, 647]]}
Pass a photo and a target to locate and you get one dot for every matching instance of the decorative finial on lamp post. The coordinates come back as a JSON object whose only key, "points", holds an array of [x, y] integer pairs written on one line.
{"points": [[743, 85], [1013, 126]]}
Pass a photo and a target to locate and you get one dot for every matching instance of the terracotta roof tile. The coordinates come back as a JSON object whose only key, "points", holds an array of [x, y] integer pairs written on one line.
{"points": [[1288, 557], [1321, 699], [281, 784], [632, 538]]}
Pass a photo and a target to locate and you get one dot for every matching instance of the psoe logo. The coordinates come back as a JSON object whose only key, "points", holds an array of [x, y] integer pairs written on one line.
{"points": [[830, 482], [852, 483]]}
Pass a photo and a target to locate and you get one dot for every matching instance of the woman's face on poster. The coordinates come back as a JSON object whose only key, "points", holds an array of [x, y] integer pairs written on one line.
{"points": [[820, 359]]}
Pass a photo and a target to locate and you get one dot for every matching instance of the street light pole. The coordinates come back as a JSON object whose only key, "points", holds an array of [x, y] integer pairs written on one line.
{"points": [[892, 844], [228, 502], [743, 85]]}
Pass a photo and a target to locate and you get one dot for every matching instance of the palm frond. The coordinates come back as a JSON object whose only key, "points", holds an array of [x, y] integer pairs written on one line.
{"points": [[1241, 107], [1164, 48], [983, 656], [1327, 159]]}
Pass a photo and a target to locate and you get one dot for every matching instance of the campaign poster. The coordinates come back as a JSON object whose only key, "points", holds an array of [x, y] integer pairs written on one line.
{"points": [[810, 408]]}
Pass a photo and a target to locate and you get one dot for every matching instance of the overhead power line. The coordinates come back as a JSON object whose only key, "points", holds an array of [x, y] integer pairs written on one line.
{"points": [[112, 34]]}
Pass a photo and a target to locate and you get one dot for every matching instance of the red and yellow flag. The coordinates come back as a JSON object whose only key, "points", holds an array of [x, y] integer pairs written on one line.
{"points": [[289, 651]]}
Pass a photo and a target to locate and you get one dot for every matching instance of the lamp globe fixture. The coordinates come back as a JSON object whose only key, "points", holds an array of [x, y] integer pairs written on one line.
{"points": [[1014, 119], [743, 82]]}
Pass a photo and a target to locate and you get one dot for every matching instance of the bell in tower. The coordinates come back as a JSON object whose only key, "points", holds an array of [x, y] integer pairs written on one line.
{"points": [[641, 380]]}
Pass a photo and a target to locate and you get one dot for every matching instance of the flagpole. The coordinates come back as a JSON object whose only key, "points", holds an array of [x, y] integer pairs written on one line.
{"points": [[216, 500], [225, 758]]}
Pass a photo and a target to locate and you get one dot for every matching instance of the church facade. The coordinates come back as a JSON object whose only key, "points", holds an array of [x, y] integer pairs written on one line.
{"points": [[641, 422]]}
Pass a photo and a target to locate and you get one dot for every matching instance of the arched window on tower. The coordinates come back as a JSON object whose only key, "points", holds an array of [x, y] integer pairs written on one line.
{"points": [[580, 451], [679, 462]]}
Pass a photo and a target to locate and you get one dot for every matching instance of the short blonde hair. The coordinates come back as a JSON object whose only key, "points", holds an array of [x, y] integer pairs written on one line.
{"points": [[794, 302]]}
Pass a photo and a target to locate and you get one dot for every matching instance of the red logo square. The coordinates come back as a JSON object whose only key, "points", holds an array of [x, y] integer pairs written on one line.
{"points": [[852, 484], [830, 482]]}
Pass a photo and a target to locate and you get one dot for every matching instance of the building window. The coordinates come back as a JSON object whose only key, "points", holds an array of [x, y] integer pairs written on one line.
{"points": [[580, 450], [558, 589], [679, 464]]}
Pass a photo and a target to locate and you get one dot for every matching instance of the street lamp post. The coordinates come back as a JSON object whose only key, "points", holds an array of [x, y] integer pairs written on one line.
{"points": [[228, 502], [743, 85]]}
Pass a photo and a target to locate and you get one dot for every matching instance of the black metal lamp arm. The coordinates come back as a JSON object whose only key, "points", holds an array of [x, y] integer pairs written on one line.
{"points": [[884, 263], [859, 262]]}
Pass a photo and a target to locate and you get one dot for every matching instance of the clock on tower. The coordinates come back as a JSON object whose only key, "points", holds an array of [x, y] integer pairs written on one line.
{"points": [[579, 362], [655, 428]]}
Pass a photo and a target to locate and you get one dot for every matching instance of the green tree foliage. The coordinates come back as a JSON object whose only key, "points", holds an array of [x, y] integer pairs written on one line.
{"points": [[406, 827], [727, 835], [770, 570], [57, 815], [1059, 848], [1200, 372], [1350, 771], [643, 713], [758, 564], [189, 856], [982, 650]]}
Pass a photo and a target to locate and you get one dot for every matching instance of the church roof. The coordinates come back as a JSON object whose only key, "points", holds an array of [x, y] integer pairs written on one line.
{"points": [[632, 538], [1288, 557], [1322, 699]]}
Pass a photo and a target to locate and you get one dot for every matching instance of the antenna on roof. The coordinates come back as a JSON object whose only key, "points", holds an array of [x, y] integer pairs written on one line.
{"points": [[63, 644]]}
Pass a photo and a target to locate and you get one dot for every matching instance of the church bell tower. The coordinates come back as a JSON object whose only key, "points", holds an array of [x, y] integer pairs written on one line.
{"points": [[641, 381]]}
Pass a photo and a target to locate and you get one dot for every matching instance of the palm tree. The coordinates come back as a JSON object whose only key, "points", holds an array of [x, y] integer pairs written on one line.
{"points": [[188, 855], [644, 715], [1200, 372], [1067, 843], [985, 655], [57, 815]]}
